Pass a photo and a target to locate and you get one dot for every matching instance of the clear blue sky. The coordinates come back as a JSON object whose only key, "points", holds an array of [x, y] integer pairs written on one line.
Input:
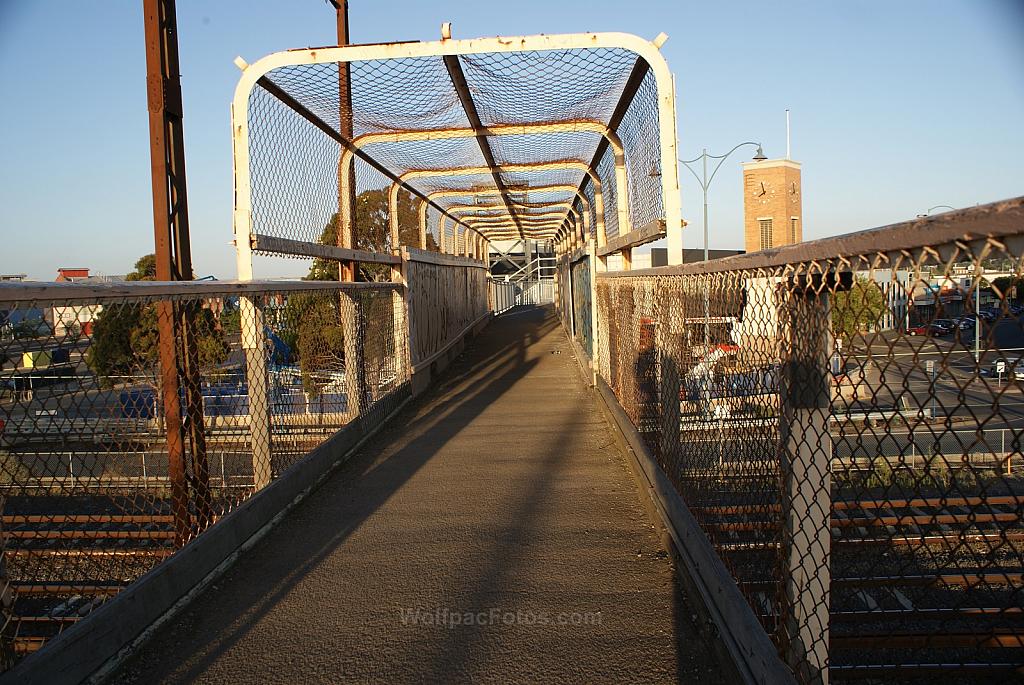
{"points": [[897, 106]]}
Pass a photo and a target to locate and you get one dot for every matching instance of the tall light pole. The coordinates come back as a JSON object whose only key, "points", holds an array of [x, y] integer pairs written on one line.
{"points": [[705, 182]]}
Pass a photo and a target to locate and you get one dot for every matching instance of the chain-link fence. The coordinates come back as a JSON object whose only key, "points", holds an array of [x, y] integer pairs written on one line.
{"points": [[447, 296], [851, 450], [134, 417], [408, 146]]}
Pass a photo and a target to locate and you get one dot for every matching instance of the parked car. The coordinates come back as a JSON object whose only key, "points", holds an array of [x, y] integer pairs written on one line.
{"points": [[948, 324], [966, 323], [932, 328]]}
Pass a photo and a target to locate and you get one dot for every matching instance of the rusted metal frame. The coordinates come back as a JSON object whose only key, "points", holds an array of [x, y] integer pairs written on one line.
{"points": [[267, 243], [580, 125], [442, 233], [463, 210], [346, 235], [428, 257], [454, 67], [423, 207], [524, 168], [475, 192], [641, 236], [546, 216], [300, 109], [179, 360], [942, 233], [649, 51]]}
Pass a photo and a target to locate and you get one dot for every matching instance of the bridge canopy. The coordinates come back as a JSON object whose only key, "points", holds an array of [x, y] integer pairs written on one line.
{"points": [[370, 147]]}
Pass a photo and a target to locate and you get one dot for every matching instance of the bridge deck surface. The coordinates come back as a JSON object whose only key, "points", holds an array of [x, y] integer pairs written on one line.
{"points": [[502, 490]]}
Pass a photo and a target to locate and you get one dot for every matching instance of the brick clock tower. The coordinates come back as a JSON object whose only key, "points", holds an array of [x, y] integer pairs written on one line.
{"points": [[772, 209]]}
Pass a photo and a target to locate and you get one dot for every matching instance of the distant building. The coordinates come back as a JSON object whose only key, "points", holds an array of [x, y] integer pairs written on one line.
{"points": [[71, 274], [772, 206], [13, 278], [75, 319]]}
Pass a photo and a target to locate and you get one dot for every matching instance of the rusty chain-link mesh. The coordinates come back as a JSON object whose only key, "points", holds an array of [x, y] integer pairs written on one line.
{"points": [[444, 300], [847, 432], [109, 464], [294, 161]]}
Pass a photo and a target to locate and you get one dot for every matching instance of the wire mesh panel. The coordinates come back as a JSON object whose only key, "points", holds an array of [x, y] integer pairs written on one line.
{"points": [[445, 299], [582, 307], [844, 422], [501, 121], [132, 418]]}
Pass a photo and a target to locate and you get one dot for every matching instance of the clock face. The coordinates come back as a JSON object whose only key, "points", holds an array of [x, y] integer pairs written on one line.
{"points": [[761, 188]]}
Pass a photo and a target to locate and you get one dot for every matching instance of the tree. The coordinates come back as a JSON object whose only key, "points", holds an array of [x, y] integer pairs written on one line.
{"points": [[313, 324], [857, 309], [125, 338], [373, 233], [1009, 288], [145, 269]]}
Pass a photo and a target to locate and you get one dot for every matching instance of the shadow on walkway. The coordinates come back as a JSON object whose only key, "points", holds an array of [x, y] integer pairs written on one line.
{"points": [[490, 533]]}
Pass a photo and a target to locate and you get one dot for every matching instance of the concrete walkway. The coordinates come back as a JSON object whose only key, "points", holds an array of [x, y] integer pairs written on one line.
{"points": [[492, 533]]}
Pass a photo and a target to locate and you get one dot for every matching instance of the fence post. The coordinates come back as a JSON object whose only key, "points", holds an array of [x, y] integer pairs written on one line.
{"points": [[595, 340], [355, 368], [256, 371], [401, 330], [806, 481]]}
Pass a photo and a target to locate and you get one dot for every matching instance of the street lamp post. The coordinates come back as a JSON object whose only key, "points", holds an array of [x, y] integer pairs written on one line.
{"points": [[705, 181]]}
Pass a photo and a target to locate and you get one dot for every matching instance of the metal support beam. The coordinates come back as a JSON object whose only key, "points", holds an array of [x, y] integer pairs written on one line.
{"points": [[179, 358], [451, 62], [524, 168], [347, 229], [424, 205]]}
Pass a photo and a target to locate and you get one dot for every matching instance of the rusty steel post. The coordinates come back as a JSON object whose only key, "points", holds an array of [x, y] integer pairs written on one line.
{"points": [[347, 229], [174, 263]]}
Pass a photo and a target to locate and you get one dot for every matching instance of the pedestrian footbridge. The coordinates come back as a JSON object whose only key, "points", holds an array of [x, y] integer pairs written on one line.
{"points": [[402, 469]]}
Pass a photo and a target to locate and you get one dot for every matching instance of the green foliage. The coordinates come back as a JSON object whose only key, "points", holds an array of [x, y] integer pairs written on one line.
{"points": [[313, 330], [231, 320], [858, 308], [145, 269], [373, 231], [1009, 288], [125, 338], [111, 351]]}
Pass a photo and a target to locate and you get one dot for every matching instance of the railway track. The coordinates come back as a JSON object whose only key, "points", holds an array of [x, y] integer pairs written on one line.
{"points": [[64, 565], [919, 585]]}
